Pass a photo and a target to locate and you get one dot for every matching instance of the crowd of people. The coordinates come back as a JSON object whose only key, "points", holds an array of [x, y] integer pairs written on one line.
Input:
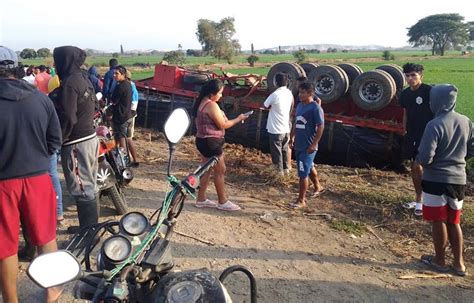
{"points": [[47, 112]]}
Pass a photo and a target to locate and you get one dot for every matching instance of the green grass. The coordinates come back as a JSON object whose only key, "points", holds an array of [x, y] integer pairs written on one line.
{"points": [[350, 227]]}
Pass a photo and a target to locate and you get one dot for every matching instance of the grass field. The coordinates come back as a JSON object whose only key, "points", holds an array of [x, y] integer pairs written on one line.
{"points": [[452, 68]]}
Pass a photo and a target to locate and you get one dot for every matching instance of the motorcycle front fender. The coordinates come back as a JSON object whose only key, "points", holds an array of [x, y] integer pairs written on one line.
{"points": [[105, 175]]}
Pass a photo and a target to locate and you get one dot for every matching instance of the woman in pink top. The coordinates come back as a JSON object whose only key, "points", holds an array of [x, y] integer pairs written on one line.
{"points": [[211, 123]]}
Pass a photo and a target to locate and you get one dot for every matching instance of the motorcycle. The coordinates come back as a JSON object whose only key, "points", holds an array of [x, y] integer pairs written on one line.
{"points": [[113, 173], [134, 261]]}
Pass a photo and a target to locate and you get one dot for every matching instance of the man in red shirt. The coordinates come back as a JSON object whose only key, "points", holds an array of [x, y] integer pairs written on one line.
{"points": [[30, 133]]}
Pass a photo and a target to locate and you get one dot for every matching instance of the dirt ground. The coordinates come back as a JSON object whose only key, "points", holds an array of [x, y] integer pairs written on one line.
{"points": [[360, 253]]}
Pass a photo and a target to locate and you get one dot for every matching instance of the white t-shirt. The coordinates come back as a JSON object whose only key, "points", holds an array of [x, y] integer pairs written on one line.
{"points": [[278, 121], [30, 79]]}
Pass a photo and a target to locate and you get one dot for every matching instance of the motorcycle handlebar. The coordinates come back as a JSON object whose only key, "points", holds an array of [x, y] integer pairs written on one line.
{"points": [[203, 169]]}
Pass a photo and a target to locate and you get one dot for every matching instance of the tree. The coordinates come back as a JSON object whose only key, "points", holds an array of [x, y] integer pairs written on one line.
{"points": [[194, 53], [175, 57], [252, 59], [216, 38], [300, 56], [115, 55], [440, 31], [43, 53], [28, 53]]}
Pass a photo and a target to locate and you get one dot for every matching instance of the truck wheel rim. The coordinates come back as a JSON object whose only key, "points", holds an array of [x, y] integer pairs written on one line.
{"points": [[371, 92], [325, 85]]}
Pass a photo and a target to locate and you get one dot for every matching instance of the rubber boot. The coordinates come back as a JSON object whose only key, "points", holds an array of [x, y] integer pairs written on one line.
{"points": [[87, 212]]}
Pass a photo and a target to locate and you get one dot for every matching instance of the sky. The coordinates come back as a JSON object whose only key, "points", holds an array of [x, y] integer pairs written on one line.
{"points": [[162, 25]]}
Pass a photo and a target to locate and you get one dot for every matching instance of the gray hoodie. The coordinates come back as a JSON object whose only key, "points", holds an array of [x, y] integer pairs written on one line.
{"points": [[446, 140]]}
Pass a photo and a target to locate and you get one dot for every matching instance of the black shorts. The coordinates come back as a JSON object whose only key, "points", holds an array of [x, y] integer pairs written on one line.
{"points": [[121, 130], [209, 147], [409, 150]]}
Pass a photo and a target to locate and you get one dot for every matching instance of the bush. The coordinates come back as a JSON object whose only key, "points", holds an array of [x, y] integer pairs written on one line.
{"points": [[115, 55], [252, 59], [387, 55], [300, 56], [175, 57]]}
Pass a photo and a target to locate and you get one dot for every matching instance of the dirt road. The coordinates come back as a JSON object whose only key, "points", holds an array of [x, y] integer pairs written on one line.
{"points": [[296, 256]]}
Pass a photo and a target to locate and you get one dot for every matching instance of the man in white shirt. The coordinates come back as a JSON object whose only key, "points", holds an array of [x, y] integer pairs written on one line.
{"points": [[278, 123]]}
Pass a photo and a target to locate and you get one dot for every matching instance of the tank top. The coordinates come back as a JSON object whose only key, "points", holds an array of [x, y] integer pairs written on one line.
{"points": [[206, 127]]}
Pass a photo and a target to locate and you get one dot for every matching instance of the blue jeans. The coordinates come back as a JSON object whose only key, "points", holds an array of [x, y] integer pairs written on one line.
{"points": [[53, 173]]}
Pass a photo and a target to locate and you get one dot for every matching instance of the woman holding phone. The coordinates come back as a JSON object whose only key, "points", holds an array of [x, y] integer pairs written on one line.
{"points": [[211, 123]]}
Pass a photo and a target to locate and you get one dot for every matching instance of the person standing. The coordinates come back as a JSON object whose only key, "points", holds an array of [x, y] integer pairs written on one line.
{"points": [[444, 146], [280, 103], [305, 135], [121, 106], [30, 76], [131, 128], [75, 106], [94, 78], [42, 79], [416, 101], [211, 123], [30, 133], [109, 81]]}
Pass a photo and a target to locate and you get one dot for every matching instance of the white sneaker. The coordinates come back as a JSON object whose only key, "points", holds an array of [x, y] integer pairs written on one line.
{"points": [[409, 205]]}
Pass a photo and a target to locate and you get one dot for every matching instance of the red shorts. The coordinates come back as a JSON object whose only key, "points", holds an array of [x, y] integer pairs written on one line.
{"points": [[442, 208], [34, 199]]}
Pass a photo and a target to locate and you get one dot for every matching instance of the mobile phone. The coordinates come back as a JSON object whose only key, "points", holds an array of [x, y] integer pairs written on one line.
{"points": [[248, 113]]}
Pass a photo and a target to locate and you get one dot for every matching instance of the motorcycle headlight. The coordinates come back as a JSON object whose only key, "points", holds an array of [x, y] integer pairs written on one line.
{"points": [[117, 248], [134, 223]]}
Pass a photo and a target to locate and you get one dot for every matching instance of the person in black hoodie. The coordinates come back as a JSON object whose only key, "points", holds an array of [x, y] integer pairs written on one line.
{"points": [[29, 133], [75, 105], [121, 106]]}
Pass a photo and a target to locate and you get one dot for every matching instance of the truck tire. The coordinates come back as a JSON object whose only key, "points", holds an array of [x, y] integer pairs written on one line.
{"points": [[308, 67], [373, 90], [351, 70], [397, 74], [118, 199], [291, 70], [195, 78], [330, 81]]}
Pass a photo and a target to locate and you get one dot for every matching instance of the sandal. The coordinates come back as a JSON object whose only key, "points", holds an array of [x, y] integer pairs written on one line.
{"points": [[317, 193], [206, 203], [429, 260], [297, 205], [458, 272], [228, 206]]}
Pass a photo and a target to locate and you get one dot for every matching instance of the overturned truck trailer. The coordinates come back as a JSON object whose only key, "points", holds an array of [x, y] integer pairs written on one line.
{"points": [[364, 123]]}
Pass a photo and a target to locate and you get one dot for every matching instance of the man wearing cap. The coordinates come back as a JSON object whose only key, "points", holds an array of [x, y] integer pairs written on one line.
{"points": [[30, 133]]}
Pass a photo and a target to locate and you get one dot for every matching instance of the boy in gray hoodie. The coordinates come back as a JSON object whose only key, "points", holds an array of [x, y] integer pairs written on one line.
{"points": [[446, 142]]}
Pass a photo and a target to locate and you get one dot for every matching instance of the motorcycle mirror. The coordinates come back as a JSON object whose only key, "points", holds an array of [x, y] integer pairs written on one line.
{"points": [[53, 269], [176, 125]]}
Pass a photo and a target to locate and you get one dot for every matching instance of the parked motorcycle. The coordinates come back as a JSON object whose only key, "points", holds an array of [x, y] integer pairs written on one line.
{"points": [[113, 173], [133, 262]]}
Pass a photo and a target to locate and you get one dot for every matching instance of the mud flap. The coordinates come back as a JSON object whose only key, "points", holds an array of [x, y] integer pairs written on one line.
{"points": [[105, 175]]}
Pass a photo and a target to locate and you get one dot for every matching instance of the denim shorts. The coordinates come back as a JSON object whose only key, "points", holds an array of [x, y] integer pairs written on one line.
{"points": [[304, 162]]}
